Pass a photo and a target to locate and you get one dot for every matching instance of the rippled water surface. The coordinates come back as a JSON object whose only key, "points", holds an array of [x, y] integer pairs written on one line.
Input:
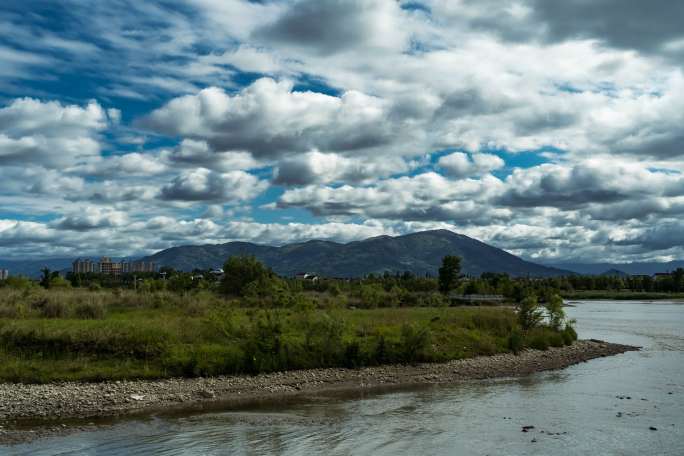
{"points": [[574, 411]]}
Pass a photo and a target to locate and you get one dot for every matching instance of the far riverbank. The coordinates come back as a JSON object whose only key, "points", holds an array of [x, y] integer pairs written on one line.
{"points": [[622, 296], [54, 404]]}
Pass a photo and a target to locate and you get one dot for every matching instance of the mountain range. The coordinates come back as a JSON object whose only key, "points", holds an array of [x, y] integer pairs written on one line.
{"points": [[420, 253], [649, 268]]}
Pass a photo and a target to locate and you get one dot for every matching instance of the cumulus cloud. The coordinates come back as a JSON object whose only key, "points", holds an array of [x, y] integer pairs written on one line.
{"points": [[193, 153], [598, 181], [133, 163], [332, 26], [91, 218], [459, 164], [269, 119], [427, 196], [48, 133], [319, 168], [202, 184]]}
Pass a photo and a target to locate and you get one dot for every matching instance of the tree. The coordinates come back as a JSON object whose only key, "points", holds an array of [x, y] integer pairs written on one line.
{"points": [[555, 312], [449, 273], [529, 313], [240, 271], [48, 277], [678, 280]]}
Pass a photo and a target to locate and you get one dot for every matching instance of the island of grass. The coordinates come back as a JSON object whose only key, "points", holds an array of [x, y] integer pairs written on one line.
{"points": [[87, 352], [81, 335], [251, 322]]}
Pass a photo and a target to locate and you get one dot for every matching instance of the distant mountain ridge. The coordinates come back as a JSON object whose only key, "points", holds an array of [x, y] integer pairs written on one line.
{"points": [[648, 268], [420, 253]]}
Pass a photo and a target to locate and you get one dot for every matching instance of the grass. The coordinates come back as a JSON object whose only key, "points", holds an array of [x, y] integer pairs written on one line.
{"points": [[82, 335]]}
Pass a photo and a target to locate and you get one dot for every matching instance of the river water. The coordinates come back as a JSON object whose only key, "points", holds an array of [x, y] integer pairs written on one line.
{"points": [[576, 411]]}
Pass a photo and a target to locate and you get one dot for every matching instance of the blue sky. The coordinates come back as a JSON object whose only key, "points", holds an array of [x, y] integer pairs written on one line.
{"points": [[127, 127]]}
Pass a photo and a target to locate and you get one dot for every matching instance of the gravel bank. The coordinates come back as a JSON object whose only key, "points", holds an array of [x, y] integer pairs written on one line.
{"points": [[53, 403]]}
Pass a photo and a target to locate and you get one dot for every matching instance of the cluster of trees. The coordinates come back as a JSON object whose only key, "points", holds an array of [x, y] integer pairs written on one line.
{"points": [[247, 278]]}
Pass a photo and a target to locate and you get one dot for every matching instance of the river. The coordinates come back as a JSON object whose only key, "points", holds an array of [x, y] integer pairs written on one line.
{"points": [[605, 406]]}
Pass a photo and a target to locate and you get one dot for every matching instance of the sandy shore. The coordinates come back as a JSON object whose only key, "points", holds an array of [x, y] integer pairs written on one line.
{"points": [[20, 404]]}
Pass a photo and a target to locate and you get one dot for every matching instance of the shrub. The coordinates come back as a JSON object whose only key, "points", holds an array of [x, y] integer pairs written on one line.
{"points": [[538, 341], [372, 296], [569, 334], [542, 338], [353, 356], [529, 314], [204, 360], [53, 308], [19, 283], [10, 311], [414, 343], [240, 271], [196, 307], [92, 310], [555, 313], [381, 354], [515, 341]]}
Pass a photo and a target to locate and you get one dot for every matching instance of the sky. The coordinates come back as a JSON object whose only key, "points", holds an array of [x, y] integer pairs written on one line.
{"points": [[553, 130]]}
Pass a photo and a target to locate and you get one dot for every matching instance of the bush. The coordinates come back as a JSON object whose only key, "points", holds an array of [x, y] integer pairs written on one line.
{"points": [[569, 335], [204, 360], [240, 271], [18, 283], [92, 310], [529, 314], [543, 338], [515, 341], [53, 308], [353, 356], [414, 343], [10, 311], [538, 341], [372, 296]]}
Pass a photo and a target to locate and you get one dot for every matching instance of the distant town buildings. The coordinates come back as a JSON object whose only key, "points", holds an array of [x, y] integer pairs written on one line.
{"points": [[109, 267], [139, 266], [84, 266], [4, 274], [307, 276]]}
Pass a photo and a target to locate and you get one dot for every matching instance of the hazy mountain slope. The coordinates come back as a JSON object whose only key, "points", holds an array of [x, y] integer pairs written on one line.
{"points": [[649, 268], [31, 268]]}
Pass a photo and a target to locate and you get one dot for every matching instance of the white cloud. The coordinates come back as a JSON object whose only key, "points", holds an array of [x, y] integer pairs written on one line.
{"points": [[269, 120], [90, 218], [461, 165], [427, 196], [49, 134], [202, 184], [319, 168]]}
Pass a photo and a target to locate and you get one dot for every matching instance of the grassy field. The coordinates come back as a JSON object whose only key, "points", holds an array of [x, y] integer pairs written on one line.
{"points": [[59, 335]]}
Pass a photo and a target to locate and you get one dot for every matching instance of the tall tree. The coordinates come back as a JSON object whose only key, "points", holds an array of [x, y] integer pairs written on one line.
{"points": [[48, 277], [449, 273], [529, 313], [241, 271], [555, 312]]}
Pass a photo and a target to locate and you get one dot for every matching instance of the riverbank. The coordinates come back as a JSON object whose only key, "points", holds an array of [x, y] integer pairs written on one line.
{"points": [[606, 295], [57, 405]]}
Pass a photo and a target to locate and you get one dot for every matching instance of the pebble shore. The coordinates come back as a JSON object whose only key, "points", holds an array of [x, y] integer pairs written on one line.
{"points": [[21, 403]]}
